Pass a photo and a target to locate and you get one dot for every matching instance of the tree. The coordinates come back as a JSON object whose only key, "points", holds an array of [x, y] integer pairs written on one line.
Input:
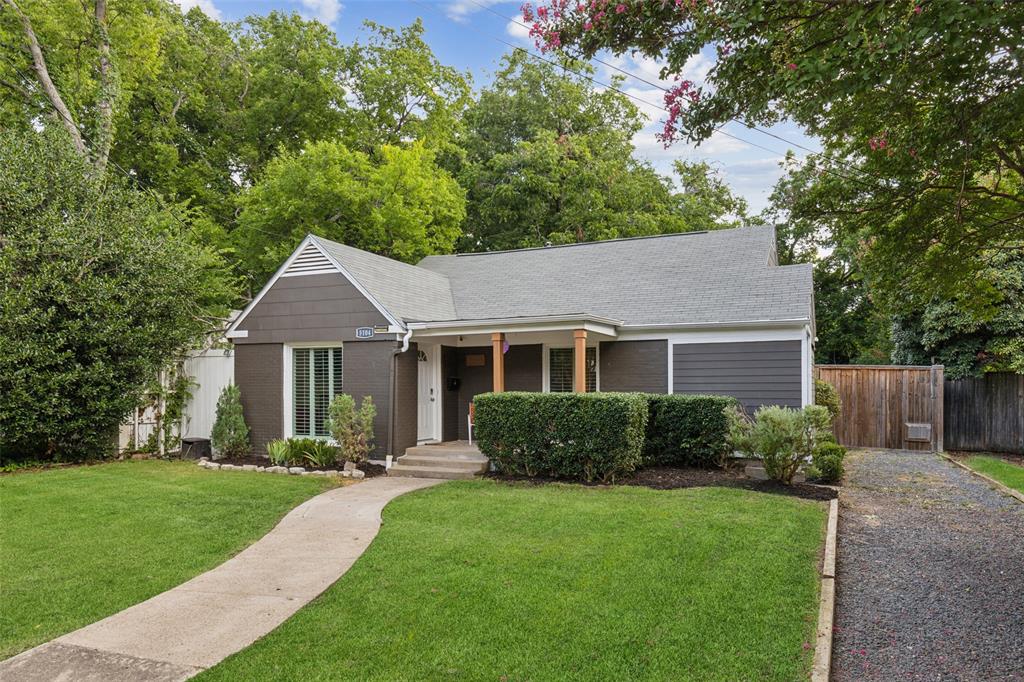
{"points": [[97, 294], [966, 339], [399, 205], [229, 436], [401, 91], [547, 158], [918, 106]]}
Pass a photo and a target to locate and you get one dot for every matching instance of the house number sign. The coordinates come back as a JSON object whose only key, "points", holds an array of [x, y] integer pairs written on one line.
{"points": [[364, 332]]}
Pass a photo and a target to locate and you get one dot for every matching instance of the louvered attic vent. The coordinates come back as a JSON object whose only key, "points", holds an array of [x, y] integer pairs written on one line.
{"points": [[309, 262]]}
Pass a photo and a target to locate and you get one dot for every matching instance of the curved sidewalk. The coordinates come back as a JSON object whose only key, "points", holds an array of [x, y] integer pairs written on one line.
{"points": [[178, 633]]}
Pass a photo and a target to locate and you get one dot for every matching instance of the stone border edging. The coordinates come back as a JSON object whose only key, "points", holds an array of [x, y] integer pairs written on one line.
{"points": [[294, 471], [826, 610], [1001, 487]]}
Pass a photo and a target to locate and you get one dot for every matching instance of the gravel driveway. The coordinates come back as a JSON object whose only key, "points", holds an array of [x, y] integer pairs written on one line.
{"points": [[930, 573]]}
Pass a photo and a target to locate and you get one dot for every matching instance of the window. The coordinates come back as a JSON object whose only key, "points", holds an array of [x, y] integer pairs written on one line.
{"points": [[560, 369], [316, 379]]}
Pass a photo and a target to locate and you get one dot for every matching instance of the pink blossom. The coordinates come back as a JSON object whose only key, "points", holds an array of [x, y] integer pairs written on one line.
{"points": [[588, 25], [791, 66], [918, 9], [620, 8]]}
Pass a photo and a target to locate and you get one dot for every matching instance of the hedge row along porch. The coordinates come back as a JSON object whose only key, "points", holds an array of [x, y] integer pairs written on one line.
{"points": [[698, 312]]}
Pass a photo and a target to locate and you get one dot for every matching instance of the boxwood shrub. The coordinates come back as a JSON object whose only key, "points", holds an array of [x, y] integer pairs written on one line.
{"points": [[687, 430], [579, 436]]}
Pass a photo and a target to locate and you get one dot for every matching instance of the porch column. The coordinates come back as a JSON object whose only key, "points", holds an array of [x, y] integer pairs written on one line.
{"points": [[498, 344], [579, 357]]}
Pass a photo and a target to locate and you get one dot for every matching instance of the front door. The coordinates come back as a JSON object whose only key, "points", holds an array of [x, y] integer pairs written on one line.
{"points": [[428, 379]]}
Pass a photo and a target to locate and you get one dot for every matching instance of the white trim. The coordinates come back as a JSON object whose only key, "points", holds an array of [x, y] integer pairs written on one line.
{"points": [[671, 368], [238, 334], [546, 364], [307, 241], [805, 380], [310, 261], [598, 325], [739, 324]]}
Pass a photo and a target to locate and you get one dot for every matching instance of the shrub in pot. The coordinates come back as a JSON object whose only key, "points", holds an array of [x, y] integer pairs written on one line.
{"points": [[230, 434], [782, 438]]}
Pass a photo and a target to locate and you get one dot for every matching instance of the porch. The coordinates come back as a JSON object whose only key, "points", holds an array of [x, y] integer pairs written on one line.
{"points": [[458, 362]]}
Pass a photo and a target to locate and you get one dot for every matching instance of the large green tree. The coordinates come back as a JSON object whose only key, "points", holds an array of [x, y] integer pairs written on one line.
{"points": [[919, 105], [400, 91], [397, 203], [549, 158], [99, 289]]}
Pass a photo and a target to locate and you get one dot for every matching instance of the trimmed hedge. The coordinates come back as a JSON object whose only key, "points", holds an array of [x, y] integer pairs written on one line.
{"points": [[687, 430], [579, 436]]}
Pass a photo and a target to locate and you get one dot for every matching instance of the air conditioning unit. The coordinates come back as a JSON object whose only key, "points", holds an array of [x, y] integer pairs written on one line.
{"points": [[919, 432]]}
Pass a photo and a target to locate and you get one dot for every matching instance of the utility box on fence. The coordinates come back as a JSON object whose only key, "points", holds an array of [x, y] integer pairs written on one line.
{"points": [[194, 448]]}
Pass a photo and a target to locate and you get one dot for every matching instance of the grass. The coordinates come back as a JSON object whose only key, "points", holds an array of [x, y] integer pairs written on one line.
{"points": [[479, 580], [1007, 473], [81, 543]]}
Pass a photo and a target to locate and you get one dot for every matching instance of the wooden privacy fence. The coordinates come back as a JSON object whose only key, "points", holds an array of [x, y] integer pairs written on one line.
{"points": [[985, 413], [888, 406]]}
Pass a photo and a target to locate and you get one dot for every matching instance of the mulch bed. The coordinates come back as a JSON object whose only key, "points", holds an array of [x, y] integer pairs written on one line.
{"points": [[670, 478], [370, 470]]}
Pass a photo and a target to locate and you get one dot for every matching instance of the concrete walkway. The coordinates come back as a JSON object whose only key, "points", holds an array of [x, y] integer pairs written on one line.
{"points": [[929, 573], [178, 633]]}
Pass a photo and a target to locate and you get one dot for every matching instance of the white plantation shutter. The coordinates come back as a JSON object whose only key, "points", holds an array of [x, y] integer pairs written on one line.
{"points": [[560, 369], [316, 379]]}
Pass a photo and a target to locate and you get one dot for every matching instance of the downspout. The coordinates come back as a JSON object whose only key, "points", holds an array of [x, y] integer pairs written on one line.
{"points": [[394, 388]]}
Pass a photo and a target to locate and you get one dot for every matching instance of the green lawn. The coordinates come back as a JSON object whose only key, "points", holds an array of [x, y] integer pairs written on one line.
{"points": [[81, 543], [479, 580], [1010, 475]]}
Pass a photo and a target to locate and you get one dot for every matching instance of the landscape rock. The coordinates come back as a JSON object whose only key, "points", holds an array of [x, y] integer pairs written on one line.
{"points": [[358, 474], [346, 474], [296, 470], [212, 465], [261, 469], [277, 470], [249, 467], [350, 466], [229, 467], [330, 472]]}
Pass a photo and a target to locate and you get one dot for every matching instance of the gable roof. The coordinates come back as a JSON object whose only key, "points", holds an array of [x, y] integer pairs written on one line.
{"points": [[689, 278], [409, 293], [692, 278]]}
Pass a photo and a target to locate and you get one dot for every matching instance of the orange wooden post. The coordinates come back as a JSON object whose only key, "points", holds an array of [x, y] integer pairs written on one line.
{"points": [[498, 343], [579, 356]]}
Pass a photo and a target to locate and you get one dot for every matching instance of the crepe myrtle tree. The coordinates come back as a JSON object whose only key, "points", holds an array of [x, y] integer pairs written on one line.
{"points": [[917, 104], [100, 289]]}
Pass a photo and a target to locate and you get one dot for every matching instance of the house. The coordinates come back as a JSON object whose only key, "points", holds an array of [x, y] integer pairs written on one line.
{"points": [[698, 312]]}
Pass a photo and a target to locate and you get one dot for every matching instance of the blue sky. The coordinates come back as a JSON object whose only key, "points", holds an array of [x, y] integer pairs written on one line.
{"points": [[464, 35]]}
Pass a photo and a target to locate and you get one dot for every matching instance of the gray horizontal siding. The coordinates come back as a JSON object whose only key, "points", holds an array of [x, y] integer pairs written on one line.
{"points": [[756, 372], [309, 308]]}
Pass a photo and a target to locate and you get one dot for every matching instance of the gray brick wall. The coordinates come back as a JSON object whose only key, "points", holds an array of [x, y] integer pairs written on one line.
{"points": [[259, 375], [634, 366], [406, 392]]}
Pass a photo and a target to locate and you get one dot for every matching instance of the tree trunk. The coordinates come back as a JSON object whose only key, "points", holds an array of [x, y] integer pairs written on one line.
{"points": [[108, 90], [43, 76]]}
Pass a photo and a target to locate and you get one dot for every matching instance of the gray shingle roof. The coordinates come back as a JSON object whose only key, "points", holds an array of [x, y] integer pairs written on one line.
{"points": [[408, 292], [690, 278]]}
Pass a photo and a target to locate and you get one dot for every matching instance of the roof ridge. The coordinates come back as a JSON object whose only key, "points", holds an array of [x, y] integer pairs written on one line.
{"points": [[597, 242]]}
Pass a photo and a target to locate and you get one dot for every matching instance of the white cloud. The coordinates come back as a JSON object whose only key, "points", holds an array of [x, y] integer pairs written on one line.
{"points": [[459, 10], [206, 6], [326, 11], [518, 30]]}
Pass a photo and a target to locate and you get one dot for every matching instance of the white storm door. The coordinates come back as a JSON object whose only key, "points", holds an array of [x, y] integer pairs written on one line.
{"points": [[428, 403]]}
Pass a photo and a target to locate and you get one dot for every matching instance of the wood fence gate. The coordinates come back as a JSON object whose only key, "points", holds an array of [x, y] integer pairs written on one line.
{"points": [[888, 406]]}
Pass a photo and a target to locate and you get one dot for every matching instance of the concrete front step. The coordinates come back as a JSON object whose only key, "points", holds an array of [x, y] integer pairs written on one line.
{"points": [[431, 472], [478, 464], [446, 451]]}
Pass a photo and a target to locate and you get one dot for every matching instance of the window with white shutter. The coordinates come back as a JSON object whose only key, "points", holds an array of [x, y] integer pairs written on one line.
{"points": [[316, 379]]}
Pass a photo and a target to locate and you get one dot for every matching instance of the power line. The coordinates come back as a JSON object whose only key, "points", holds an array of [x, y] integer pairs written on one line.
{"points": [[719, 129]]}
